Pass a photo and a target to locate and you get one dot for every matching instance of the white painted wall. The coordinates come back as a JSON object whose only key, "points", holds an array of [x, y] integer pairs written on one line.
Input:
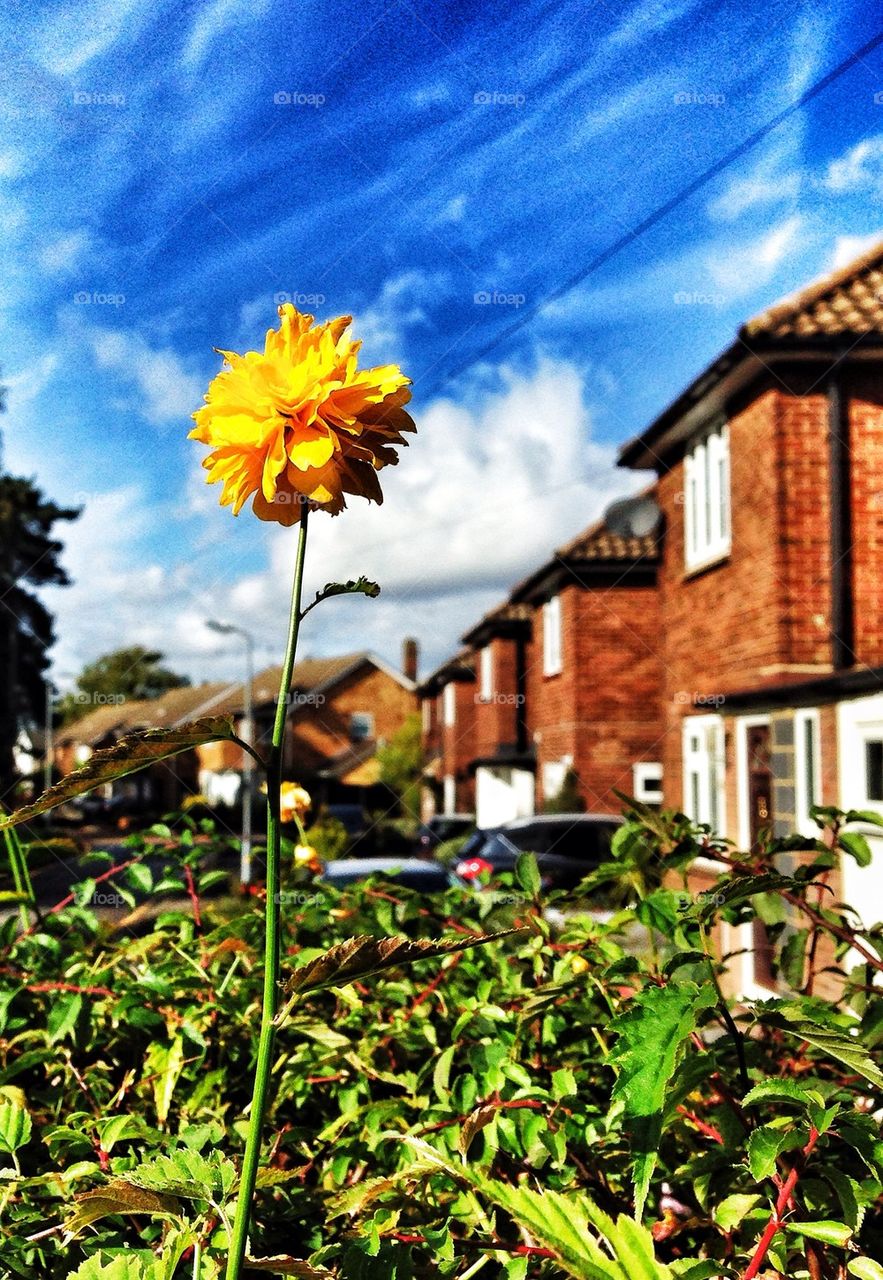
{"points": [[857, 721], [502, 794]]}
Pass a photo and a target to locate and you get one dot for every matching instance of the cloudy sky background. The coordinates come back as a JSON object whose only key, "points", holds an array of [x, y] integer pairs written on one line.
{"points": [[181, 166]]}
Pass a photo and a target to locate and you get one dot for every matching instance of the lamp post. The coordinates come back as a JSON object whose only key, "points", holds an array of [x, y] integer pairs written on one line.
{"points": [[226, 628]]}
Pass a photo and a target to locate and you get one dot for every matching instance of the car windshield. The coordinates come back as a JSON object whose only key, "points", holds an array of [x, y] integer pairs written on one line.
{"points": [[446, 828], [583, 841], [429, 878]]}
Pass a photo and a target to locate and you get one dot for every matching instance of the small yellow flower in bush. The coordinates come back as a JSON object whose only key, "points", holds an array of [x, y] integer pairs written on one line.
{"points": [[306, 856], [301, 422]]}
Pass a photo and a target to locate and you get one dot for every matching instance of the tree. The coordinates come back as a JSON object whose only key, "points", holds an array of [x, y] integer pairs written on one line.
{"points": [[569, 797], [131, 673], [29, 558], [401, 762]]}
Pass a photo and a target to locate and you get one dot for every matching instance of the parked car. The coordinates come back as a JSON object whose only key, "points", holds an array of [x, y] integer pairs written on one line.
{"points": [[351, 816], [442, 827], [567, 846], [411, 873]]}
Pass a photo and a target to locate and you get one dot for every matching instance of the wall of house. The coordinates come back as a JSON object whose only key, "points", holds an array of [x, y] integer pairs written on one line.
{"points": [[319, 727], [866, 437], [496, 718], [602, 710]]}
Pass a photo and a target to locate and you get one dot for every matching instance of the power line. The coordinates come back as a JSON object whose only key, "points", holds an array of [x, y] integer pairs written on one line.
{"points": [[662, 211]]}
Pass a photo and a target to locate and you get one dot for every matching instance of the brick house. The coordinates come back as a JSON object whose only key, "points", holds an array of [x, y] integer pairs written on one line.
{"points": [[341, 710], [770, 481], [448, 705], [564, 678]]}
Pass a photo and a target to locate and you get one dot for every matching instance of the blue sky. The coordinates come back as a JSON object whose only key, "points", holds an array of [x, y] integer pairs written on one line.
{"points": [[168, 173]]}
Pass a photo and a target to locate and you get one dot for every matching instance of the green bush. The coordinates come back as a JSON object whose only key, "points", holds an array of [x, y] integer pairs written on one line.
{"points": [[536, 1106]]}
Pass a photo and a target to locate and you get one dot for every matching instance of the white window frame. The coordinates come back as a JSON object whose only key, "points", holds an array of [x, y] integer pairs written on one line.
{"points": [[707, 532], [642, 773], [486, 672], [705, 771], [552, 663], [449, 791], [449, 705], [807, 720]]}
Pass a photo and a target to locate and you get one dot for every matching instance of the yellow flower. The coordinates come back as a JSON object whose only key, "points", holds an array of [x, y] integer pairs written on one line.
{"points": [[306, 856], [293, 800], [301, 422], [578, 964]]}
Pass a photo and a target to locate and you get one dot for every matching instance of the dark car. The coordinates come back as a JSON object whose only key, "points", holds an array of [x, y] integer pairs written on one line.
{"points": [[411, 873], [567, 846], [442, 827], [351, 816]]}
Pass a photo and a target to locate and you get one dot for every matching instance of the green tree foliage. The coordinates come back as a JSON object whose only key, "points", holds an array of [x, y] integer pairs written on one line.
{"points": [[29, 560], [569, 798], [401, 763], [130, 673]]}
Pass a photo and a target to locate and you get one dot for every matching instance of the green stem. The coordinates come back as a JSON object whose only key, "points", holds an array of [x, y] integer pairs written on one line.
{"points": [[735, 1034], [270, 1002]]}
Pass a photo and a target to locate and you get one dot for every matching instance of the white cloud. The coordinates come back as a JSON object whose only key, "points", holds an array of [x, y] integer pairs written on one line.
{"points": [[454, 210], [846, 248], [167, 390], [401, 304], [742, 269], [769, 184], [25, 385], [74, 35], [858, 169], [12, 163], [212, 21], [64, 255]]}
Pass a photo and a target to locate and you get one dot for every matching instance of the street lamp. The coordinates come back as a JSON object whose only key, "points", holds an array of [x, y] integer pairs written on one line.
{"points": [[227, 629]]}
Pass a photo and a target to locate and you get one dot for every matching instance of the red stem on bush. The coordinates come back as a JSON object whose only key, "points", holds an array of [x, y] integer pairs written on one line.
{"points": [[775, 1221], [194, 897]]}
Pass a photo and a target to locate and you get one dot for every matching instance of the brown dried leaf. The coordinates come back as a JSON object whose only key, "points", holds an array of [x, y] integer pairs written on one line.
{"points": [[133, 752], [118, 1196], [284, 1266], [365, 955], [477, 1120]]}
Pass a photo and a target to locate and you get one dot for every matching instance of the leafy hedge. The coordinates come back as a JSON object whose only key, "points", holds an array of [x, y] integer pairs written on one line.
{"points": [[550, 1103]]}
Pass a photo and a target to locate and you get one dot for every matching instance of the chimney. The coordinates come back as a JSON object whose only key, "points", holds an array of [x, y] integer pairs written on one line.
{"points": [[410, 651]]}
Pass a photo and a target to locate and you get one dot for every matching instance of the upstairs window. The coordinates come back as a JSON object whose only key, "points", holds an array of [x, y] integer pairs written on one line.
{"points": [[487, 674], [449, 705], [704, 770], [361, 726], [552, 636], [707, 497]]}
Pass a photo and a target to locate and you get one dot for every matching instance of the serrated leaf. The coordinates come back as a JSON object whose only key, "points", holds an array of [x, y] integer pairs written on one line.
{"points": [[361, 586], [441, 1073], [15, 1126], [527, 874], [847, 1190], [764, 1145], [118, 1196], [365, 955], [187, 1174], [825, 1231], [63, 1016], [650, 1035], [163, 1066], [777, 1091], [131, 1265], [850, 1052], [133, 752]]}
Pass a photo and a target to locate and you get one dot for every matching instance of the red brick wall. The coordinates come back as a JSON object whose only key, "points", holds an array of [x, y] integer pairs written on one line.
{"points": [[496, 720], [321, 730], [866, 436], [603, 708]]}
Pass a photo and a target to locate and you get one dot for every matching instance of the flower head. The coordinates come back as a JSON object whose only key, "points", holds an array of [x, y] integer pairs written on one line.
{"points": [[301, 422], [306, 856], [293, 801]]}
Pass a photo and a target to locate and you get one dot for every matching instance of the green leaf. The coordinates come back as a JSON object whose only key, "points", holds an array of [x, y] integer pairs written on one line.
{"points": [[117, 1196], [856, 845], [865, 1269], [777, 1091], [187, 1174], [564, 1224], [441, 1074], [850, 1052], [764, 1146], [140, 876], [285, 1266], [15, 1126], [826, 1232], [133, 752], [354, 586], [63, 1016], [365, 955], [163, 1066], [650, 1038], [730, 1212], [847, 1190], [865, 815], [527, 874], [132, 1265]]}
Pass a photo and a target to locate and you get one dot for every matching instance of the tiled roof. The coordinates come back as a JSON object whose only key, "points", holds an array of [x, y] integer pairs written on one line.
{"points": [[461, 666], [598, 543], [309, 674], [846, 303], [190, 702]]}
